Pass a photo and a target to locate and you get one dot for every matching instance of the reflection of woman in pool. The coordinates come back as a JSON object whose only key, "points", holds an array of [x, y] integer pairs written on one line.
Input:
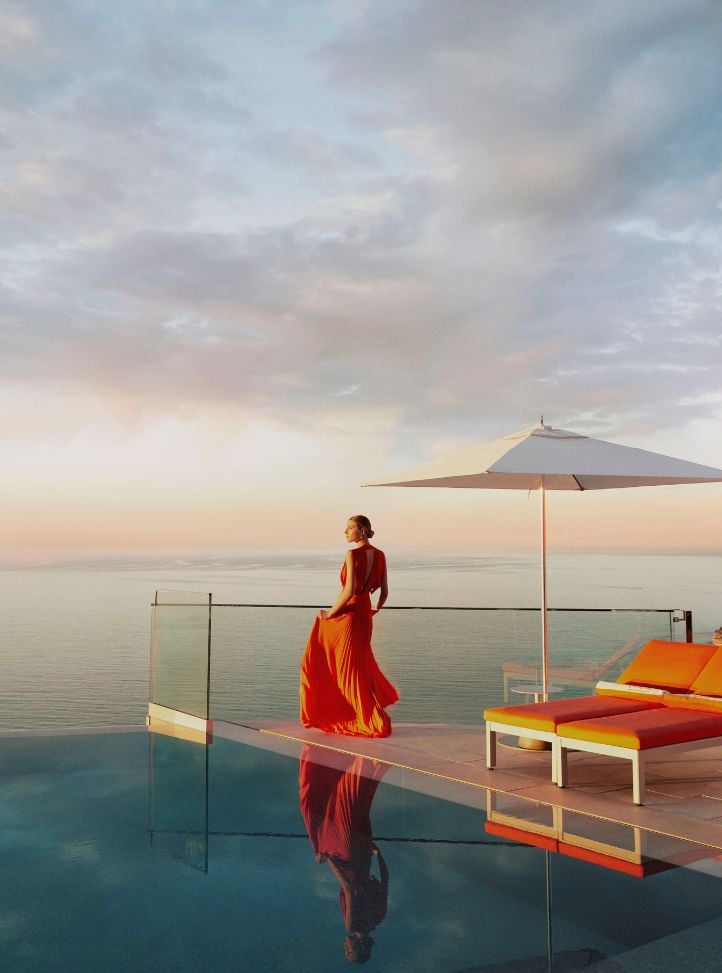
{"points": [[336, 807], [342, 687]]}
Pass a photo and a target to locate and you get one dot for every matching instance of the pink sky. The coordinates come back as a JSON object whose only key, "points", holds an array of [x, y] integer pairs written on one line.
{"points": [[200, 484], [254, 259]]}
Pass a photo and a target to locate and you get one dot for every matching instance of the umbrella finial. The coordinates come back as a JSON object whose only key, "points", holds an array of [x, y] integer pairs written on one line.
{"points": [[541, 421]]}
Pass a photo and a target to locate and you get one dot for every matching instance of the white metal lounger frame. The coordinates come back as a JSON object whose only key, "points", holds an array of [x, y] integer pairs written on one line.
{"points": [[494, 727], [637, 757], [548, 736]]}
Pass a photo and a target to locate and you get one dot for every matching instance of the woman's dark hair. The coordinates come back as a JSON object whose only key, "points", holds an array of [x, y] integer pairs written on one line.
{"points": [[363, 523]]}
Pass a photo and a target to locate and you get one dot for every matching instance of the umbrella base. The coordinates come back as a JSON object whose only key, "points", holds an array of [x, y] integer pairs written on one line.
{"points": [[523, 743], [527, 743]]}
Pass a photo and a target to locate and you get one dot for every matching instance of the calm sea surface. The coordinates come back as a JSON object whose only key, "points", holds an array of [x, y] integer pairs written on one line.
{"points": [[76, 631]]}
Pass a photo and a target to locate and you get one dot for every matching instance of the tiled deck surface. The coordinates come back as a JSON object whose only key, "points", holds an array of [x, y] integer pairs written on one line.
{"points": [[684, 791]]}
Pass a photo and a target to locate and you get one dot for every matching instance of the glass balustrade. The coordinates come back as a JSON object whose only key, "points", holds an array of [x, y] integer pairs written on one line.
{"points": [[180, 654], [447, 663]]}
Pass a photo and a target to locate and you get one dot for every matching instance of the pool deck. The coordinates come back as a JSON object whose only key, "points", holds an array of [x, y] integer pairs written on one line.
{"points": [[684, 791]]}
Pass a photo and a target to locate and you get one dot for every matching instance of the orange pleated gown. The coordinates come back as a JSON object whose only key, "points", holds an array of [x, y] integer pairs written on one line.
{"points": [[336, 806], [342, 688]]}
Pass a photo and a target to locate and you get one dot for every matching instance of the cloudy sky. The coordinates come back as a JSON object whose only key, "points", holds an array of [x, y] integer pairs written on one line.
{"points": [[257, 253]]}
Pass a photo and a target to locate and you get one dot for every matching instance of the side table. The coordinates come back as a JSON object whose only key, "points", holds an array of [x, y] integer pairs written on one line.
{"points": [[536, 691]]}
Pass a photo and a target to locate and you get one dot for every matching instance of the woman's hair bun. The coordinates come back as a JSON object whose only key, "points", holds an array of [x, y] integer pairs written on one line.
{"points": [[363, 523]]}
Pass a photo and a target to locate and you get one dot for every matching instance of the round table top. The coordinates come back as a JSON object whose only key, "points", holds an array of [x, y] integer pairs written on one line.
{"points": [[536, 690]]}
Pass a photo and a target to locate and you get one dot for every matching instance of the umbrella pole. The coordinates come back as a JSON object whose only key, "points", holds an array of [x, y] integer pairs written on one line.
{"points": [[545, 634]]}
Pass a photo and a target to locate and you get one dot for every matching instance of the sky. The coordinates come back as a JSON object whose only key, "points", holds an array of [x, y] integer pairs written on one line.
{"points": [[255, 254]]}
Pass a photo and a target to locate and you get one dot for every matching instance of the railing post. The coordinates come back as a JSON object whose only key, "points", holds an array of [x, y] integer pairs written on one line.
{"points": [[208, 669], [153, 645]]}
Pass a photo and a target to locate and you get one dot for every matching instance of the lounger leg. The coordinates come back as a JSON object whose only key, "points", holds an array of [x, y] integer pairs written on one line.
{"points": [[555, 760], [490, 747], [638, 777], [562, 766]]}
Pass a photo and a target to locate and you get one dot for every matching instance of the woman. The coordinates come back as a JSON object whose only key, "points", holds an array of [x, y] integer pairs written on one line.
{"points": [[342, 688], [336, 806]]}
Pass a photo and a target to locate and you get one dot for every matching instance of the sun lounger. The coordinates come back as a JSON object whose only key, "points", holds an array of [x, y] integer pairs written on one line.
{"points": [[690, 717], [539, 721], [612, 845], [632, 736], [618, 863], [619, 720]]}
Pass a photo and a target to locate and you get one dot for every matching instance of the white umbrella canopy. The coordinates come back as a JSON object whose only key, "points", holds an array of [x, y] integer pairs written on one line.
{"points": [[544, 458]]}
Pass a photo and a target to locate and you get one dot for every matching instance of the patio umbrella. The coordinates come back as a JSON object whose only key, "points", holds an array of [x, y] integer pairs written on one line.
{"points": [[544, 458]]}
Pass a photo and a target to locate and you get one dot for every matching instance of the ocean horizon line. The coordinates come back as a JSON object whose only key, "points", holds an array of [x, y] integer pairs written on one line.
{"points": [[16, 556]]}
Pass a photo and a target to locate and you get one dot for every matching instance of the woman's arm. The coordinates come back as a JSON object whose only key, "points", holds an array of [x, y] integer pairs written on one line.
{"points": [[347, 896], [342, 880], [383, 591], [383, 871], [346, 591]]}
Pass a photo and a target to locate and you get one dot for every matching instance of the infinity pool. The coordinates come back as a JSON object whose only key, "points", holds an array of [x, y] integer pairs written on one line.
{"points": [[130, 852]]}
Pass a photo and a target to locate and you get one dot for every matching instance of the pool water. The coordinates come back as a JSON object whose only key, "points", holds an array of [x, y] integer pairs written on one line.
{"points": [[125, 851]]}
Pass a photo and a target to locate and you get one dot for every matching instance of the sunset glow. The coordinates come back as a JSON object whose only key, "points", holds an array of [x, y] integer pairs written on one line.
{"points": [[255, 255]]}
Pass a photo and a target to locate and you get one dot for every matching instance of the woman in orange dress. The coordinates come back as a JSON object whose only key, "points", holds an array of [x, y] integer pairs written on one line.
{"points": [[342, 688], [336, 806]]}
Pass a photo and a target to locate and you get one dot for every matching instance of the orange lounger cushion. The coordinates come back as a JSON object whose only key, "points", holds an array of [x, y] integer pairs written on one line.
{"points": [[709, 681], [637, 869], [644, 730], [522, 835], [547, 716], [669, 665]]}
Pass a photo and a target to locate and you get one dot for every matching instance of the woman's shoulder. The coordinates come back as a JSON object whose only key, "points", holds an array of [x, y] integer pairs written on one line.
{"points": [[362, 552]]}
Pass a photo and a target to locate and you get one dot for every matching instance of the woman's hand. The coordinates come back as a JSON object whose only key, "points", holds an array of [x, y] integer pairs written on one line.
{"points": [[323, 613]]}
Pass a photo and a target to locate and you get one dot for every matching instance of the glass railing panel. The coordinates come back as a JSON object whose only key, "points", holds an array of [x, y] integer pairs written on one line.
{"points": [[448, 664], [593, 645], [255, 661], [445, 663], [180, 651]]}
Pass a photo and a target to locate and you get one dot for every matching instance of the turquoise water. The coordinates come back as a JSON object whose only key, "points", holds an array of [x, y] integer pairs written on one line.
{"points": [[123, 854], [76, 631]]}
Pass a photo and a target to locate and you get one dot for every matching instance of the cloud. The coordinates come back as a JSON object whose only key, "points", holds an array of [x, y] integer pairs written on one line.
{"points": [[455, 215], [320, 158]]}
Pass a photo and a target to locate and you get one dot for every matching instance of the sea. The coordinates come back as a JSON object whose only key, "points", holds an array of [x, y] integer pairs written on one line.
{"points": [[76, 626]]}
